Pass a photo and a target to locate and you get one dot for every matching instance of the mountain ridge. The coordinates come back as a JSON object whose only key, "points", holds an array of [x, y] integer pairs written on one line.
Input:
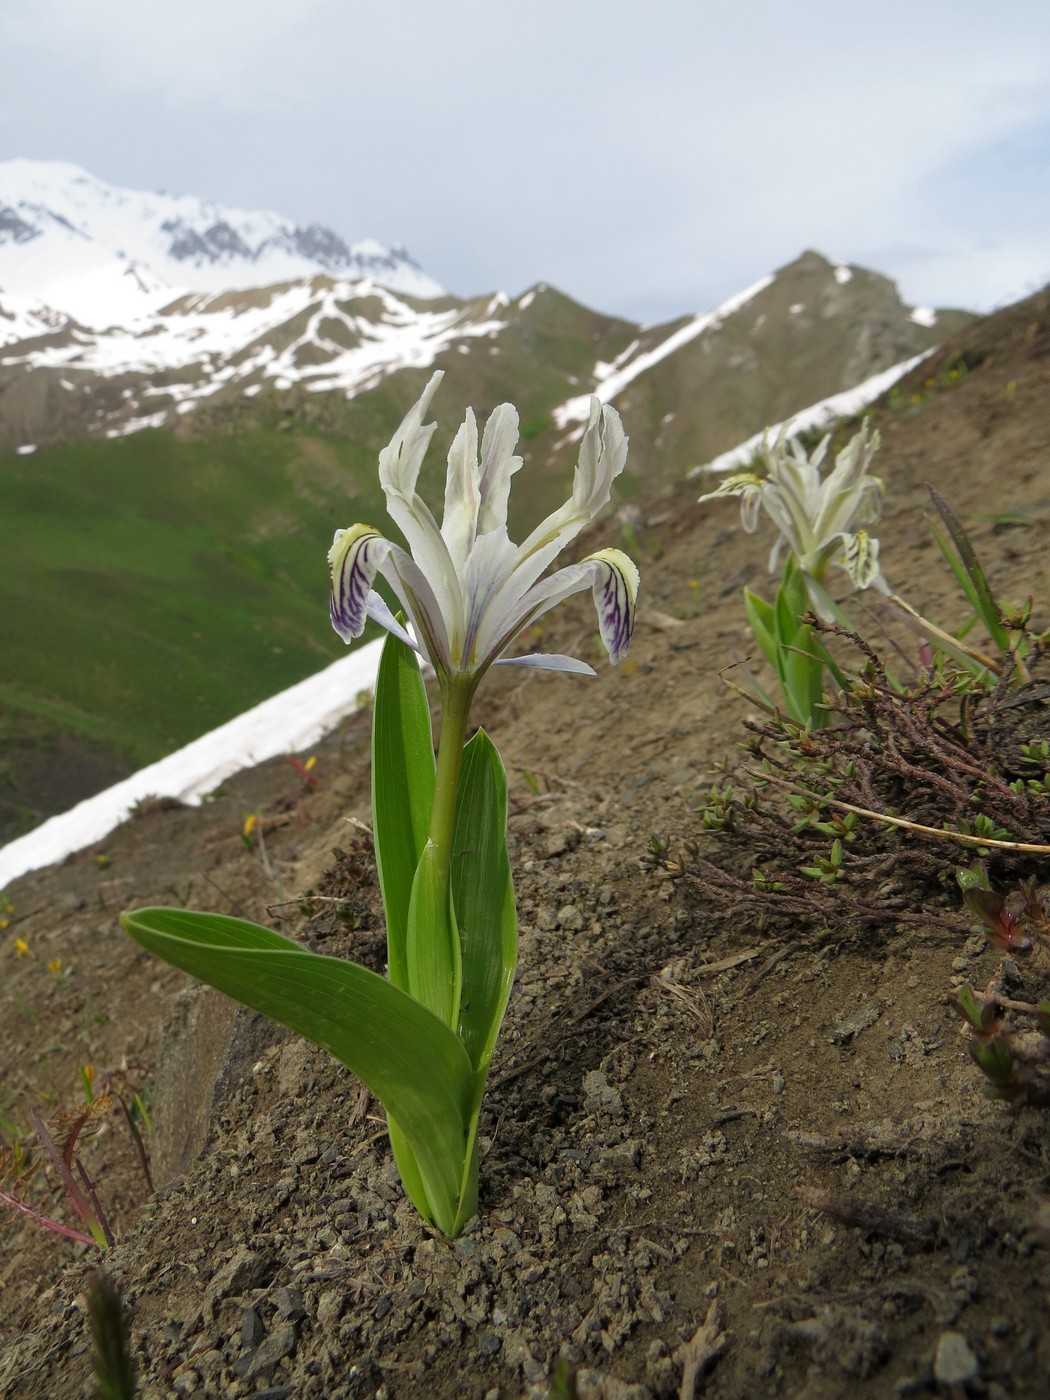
{"points": [[169, 485], [103, 254]]}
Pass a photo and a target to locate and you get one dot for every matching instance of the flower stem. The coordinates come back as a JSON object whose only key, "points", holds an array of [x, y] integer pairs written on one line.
{"points": [[456, 695]]}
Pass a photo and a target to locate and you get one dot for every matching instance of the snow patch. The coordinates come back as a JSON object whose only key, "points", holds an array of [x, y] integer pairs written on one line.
{"points": [[923, 316], [817, 415], [843, 273], [26, 449], [608, 385]]}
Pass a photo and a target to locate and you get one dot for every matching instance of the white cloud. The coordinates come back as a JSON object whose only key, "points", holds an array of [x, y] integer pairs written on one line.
{"points": [[645, 165]]}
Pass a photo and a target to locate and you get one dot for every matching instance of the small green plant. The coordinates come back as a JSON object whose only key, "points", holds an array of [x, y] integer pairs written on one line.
{"points": [[1015, 1063], [785, 635], [422, 1038]]}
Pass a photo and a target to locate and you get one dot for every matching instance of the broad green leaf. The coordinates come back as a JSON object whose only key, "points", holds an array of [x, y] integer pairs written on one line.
{"points": [[402, 789], [803, 679], [414, 1065], [408, 1169], [761, 620], [432, 953], [791, 601], [483, 898]]}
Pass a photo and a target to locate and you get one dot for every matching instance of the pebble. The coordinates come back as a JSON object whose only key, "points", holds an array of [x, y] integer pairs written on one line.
{"points": [[570, 917], [954, 1362], [279, 1343]]}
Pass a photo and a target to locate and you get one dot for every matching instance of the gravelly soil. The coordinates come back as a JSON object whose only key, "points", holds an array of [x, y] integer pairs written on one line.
{"points": [[673, 1097]]}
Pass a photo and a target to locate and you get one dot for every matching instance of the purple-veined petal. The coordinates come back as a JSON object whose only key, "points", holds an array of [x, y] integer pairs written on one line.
{"points": [[614, 580], [353, 562], [860, 558], [616, 598], [355, 558], [548, 661]]}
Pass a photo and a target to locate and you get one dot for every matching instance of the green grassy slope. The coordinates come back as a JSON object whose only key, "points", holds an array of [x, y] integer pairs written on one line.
{"points": [[153, 588]]}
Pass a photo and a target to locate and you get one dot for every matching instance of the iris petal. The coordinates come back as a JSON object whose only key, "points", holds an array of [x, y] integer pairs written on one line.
{"points": [[353, 562], [548, 661], [614, 581]]}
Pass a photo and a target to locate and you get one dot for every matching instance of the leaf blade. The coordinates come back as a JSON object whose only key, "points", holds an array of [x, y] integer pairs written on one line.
{"points": [[403, 776], [414, 1065], [483, 898]]}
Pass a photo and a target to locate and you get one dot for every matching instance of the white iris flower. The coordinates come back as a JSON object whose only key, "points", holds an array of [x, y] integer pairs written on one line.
{"points": [[816, 518], [466, 588]]}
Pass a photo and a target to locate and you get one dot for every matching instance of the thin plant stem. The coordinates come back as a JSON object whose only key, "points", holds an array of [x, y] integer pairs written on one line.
{"points": [[457, 695], [980, 841]]}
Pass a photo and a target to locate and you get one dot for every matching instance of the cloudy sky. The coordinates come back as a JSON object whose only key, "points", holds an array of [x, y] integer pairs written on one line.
{"points": [[648, 159]]}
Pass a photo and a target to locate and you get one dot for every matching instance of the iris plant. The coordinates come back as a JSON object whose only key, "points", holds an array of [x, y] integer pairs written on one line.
{"points": [[422, 1038], [819, 522], [815, 516]]}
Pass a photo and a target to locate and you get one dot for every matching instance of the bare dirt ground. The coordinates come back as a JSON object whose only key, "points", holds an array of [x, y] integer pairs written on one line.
{"points": [[675, 1091]]}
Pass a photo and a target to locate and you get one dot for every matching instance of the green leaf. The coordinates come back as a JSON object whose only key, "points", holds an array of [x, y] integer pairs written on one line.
{"points": [[801, 686], [483, 898], [761, 621], [432, 952], [414, 1065], [971, 576], [402, 790]]}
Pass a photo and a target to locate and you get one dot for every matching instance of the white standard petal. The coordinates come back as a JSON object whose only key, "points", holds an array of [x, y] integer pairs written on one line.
{"points": [[400, 460], [603, 455], [462, 493], [498, 465], [399, 465]]}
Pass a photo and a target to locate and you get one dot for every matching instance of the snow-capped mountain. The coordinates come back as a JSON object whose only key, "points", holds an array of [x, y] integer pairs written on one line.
{"points": [[812, 329], [107, 256]]}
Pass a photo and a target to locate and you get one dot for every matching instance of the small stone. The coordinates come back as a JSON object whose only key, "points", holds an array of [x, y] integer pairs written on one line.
{"points": [[279, 1343], [954, 1362], [252, 1329], [290, 1304], [846, 1027], [571, 918], [330, 1307]]}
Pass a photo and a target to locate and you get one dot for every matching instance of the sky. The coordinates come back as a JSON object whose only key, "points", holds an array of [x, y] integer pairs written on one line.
{"points": [[648, 160]]}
